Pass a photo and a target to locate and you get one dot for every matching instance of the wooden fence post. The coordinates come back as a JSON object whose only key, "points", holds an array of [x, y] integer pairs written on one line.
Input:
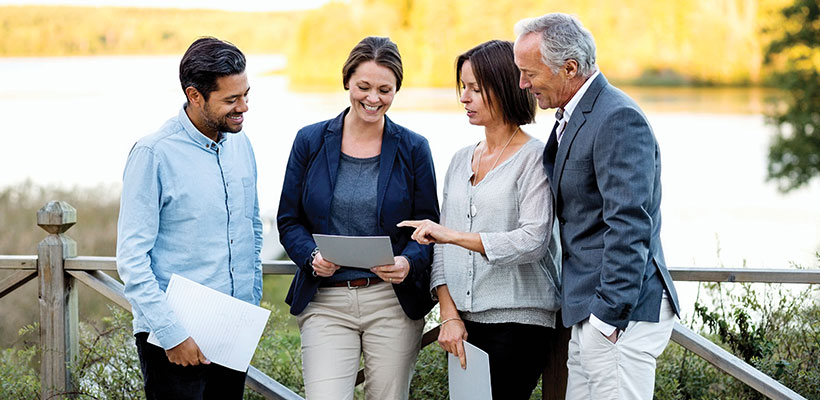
{"points": [[554, 378], [58, 299]]}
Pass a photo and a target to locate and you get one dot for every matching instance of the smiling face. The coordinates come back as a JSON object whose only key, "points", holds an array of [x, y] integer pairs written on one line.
{"points": [[224, 109], [550, 89], [372, 88], [473, 98]]}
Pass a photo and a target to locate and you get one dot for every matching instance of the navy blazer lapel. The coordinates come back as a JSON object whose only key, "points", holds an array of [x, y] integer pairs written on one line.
{"points": [[390, 146], [333, 149], [576, 121]]}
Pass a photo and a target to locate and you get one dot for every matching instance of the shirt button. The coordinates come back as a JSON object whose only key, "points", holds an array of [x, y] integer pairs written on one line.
{"points": [[231, 241], [468, 293]]}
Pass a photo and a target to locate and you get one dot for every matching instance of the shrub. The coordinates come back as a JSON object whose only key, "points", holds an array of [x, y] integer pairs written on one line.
{"points": [[774, 329]]}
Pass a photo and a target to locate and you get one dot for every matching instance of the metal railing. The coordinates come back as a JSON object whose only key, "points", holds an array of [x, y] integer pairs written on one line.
{"points": [[59, 268]]}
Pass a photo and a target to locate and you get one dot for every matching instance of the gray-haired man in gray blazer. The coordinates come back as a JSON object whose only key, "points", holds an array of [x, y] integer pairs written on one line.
{"points": [[603, 163]]}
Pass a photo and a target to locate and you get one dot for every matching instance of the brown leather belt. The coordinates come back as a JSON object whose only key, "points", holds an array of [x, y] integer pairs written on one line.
{"points": [[354, 283]]}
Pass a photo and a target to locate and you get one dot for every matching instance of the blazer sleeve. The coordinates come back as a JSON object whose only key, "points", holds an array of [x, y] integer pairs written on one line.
{"points": [[624, 160], [425, 206], [291, 218]]}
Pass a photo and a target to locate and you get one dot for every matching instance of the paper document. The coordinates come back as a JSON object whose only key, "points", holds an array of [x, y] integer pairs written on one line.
{"points": [[472, 383], [355, 251], [225, 328]]}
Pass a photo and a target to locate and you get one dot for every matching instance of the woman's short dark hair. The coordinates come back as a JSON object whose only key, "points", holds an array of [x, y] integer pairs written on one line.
{"points": [[207, 59], [497, 76], [373, 48]]}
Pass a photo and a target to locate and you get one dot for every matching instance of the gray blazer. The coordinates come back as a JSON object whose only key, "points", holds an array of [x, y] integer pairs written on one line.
{"points": [[606, 181]]}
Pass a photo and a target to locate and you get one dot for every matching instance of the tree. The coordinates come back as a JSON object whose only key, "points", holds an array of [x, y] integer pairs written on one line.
{"points": [[794, 154]]}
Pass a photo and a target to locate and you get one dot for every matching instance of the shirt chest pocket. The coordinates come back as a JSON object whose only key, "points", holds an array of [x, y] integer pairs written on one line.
{"points": [[249, 192]]}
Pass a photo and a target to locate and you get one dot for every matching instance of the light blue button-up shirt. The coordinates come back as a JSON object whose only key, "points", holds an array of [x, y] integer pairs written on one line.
{"points": [[189, 207]]}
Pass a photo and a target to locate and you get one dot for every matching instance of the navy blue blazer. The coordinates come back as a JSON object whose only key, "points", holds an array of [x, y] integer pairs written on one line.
{"points": [[605, 177], [406, 190]]}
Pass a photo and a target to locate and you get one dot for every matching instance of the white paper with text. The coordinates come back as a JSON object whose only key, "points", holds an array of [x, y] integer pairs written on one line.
{"points": [[226, 329]]}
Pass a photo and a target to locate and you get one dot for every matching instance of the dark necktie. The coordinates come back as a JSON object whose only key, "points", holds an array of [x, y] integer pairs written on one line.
{"points": [[550, 151]]}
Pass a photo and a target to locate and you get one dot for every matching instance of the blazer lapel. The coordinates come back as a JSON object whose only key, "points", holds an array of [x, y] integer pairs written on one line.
{"points": [[333, 149], [390, 145], [576, 121]]}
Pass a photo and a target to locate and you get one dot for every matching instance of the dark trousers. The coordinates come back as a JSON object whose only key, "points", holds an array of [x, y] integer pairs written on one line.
{"points": [[166, 380], [518, 354]]}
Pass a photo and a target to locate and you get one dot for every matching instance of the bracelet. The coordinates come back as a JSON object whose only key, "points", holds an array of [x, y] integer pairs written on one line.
{"points": [[448, 320], [312, 257]]}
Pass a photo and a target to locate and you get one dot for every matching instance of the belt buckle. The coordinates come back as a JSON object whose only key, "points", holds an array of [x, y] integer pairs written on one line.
{"points": [[356, 287]]}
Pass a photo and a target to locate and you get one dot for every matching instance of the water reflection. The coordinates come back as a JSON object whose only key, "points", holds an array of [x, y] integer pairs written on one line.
{"points": [[73, 120]]}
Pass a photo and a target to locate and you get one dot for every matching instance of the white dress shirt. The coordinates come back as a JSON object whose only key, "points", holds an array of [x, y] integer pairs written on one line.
{"points": [[573, 102]]}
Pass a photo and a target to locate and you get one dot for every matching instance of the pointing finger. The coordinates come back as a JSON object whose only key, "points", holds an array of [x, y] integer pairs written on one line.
{"points": [[462, 357]]}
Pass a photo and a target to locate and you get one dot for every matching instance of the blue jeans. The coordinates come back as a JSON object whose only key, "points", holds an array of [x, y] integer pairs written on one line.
{"points": [[166, 380]]}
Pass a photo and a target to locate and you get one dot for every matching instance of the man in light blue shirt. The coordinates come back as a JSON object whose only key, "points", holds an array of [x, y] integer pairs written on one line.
{"points": [[189, 207]]}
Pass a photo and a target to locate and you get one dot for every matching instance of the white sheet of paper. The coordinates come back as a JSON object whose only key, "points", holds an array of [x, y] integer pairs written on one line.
{"points": [[355, 251], [226, 329], [472, 383]]}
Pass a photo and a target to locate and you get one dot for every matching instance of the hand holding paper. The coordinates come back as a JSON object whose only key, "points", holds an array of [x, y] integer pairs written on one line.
{"points": [[393, 273], [323, 267], [472, 383], [451, 338], [186, 353], [226, 330], [355, 251]]}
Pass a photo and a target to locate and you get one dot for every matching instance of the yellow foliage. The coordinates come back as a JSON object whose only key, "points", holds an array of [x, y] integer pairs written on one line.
{"points": [[66, 31], [680, 42], [643, 41]]}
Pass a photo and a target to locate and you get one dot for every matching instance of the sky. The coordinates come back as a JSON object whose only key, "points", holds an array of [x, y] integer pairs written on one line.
{"points": [[234, 5]]}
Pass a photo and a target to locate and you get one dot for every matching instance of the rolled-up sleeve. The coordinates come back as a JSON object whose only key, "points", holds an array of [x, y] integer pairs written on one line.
{"points": [[137, 230]]}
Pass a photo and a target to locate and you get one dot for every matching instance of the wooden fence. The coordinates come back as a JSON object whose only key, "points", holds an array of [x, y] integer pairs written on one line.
{"points": [[59, 269]]}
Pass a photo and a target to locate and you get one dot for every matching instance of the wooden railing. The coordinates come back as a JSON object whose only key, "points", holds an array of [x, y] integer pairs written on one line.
{"points": [[59, 268]]}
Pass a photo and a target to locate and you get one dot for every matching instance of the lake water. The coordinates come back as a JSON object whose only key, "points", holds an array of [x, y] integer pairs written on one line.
{"points": [[72, 121]]}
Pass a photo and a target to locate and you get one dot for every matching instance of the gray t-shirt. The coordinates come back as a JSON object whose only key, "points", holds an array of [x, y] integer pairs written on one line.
{"points": [[353, 207]]}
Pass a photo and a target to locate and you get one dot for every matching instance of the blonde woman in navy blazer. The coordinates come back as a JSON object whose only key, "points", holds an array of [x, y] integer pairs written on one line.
{"points": [[361, 174]]}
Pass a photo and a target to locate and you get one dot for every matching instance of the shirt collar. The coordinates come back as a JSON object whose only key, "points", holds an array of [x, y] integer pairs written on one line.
{"points": [[576, 98], [194, 133]]}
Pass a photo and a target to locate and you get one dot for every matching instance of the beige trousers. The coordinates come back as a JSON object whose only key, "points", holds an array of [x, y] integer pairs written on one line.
{"points": [[340, 325], [625, 370]]}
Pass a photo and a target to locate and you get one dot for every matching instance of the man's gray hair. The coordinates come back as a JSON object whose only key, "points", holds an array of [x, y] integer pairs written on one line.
{"points": [[563, 38]]}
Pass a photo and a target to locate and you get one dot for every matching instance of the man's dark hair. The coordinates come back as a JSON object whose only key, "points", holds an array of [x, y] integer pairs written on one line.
{"points": [[372, 48], [497, 76], [207, 59]]}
